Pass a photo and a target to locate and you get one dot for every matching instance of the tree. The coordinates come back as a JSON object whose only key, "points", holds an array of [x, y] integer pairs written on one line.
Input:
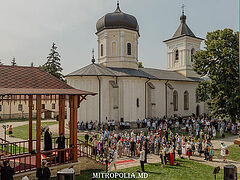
{"points": [[53, 65], [140, 65], [1, 63], [32, 65], [219, 63], [14, 62]]}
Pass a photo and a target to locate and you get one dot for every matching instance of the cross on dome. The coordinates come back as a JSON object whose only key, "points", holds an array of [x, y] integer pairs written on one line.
{"points": [[93, 58]]}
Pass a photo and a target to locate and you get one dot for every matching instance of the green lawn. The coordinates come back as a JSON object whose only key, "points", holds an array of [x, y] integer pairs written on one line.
{"points": [[187, 170], [22, 131], [234, 152]]}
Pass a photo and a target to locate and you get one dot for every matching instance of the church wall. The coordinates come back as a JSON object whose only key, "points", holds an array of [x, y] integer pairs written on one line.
{"points": [[88, 108], [157, 103], [131, 90], [181, 87]]}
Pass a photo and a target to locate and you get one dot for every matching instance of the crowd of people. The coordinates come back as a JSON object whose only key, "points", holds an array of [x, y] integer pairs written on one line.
{"points": [[166, 138]]}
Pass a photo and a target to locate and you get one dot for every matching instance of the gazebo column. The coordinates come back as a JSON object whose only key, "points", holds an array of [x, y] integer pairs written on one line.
{"points": [[30, 104], [61, 116], [71, 118], [38, 130], [76, 105]]}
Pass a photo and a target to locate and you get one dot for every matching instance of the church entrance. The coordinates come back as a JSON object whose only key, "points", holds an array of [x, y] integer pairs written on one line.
{"points": [[197, 110]]}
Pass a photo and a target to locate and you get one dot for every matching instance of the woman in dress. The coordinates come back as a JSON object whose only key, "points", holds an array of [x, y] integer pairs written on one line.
{"points": [[172, 153], [224, 151], [199, 146], [119, 148], [179, 148], [189, 151], [192, 146], [211, 152]]}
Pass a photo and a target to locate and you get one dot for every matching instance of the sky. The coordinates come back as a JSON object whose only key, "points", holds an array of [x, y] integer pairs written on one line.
{"points": [[29, 27]]}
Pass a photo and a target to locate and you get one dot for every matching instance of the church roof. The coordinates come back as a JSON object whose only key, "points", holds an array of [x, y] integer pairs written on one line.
{"points": [[93, 70], [167, 75], [149, 73], [116, 20], [183, 29]]}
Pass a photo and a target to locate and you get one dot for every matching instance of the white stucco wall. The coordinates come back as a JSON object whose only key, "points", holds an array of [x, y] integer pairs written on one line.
{"points": [[121, 102]]}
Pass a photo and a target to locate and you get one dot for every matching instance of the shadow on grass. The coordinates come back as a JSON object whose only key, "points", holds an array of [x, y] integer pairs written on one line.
{"points": [[152, 172]]}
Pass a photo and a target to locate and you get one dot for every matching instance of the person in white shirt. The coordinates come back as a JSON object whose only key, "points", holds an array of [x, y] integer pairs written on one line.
{"points": [[142, 158]]}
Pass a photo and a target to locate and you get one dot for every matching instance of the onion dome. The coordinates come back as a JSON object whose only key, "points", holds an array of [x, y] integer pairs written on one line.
{"points": [[117, 20]]}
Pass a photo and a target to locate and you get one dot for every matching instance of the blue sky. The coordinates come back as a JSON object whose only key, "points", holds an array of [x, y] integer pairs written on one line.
{"points": [[29, 27]]}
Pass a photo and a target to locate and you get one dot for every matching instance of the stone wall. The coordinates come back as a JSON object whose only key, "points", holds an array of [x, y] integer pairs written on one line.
{"points": [[83, 164]]}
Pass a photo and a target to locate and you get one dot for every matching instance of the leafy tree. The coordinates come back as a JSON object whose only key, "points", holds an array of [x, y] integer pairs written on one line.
{"points": [[140, 65], [219, 63], [53, 65], [14, 62]]}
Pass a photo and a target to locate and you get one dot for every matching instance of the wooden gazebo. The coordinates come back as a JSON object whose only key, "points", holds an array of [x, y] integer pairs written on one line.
{"points": [[30, 84]]}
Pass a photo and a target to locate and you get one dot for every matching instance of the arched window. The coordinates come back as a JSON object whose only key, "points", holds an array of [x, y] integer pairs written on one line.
{"points": [[114, 48], [192, 53], [101, 49], [175, 100], [186, 100], [197, 97], [129, 49], [176, 55]]}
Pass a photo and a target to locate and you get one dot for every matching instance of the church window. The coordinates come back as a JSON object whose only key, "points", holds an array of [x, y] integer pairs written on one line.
{"points": [[197, 97], [101, 49], [43, 106], [20, 107], [175, 100], [137, 102], [53, 106], [114, 49], [0, 108], [176, 55], [129, 49], [192, 53], [186, 100]]}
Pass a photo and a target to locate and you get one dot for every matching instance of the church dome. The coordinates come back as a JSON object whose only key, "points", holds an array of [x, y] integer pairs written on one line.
{"points": [[116, 20]]}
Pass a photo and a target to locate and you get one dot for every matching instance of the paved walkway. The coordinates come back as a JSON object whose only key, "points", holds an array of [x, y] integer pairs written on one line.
{"points": [[16, 124]]}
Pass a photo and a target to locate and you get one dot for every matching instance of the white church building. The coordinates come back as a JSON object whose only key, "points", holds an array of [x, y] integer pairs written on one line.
{"points": [[126, 92]]}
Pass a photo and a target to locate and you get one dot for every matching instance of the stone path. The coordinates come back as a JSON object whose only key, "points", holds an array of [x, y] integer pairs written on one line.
{"points": [[228, 141]]}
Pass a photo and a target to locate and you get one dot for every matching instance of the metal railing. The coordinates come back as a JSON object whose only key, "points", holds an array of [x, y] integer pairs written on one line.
{"points": [[21, 163]]}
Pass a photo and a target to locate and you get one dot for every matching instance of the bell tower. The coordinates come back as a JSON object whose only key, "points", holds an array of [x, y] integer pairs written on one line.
{"points": [[181, 48]]}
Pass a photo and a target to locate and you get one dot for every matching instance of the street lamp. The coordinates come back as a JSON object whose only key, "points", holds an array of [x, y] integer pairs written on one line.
{"points": [[5, 127]]}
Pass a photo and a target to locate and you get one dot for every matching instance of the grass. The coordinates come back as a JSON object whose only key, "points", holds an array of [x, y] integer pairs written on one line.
{"points": [[234, 153], [22, 131], [187, 170]]}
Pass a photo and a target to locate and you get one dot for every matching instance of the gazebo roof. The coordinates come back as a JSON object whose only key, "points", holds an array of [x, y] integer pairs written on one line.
{"points": [[20, 80]]}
